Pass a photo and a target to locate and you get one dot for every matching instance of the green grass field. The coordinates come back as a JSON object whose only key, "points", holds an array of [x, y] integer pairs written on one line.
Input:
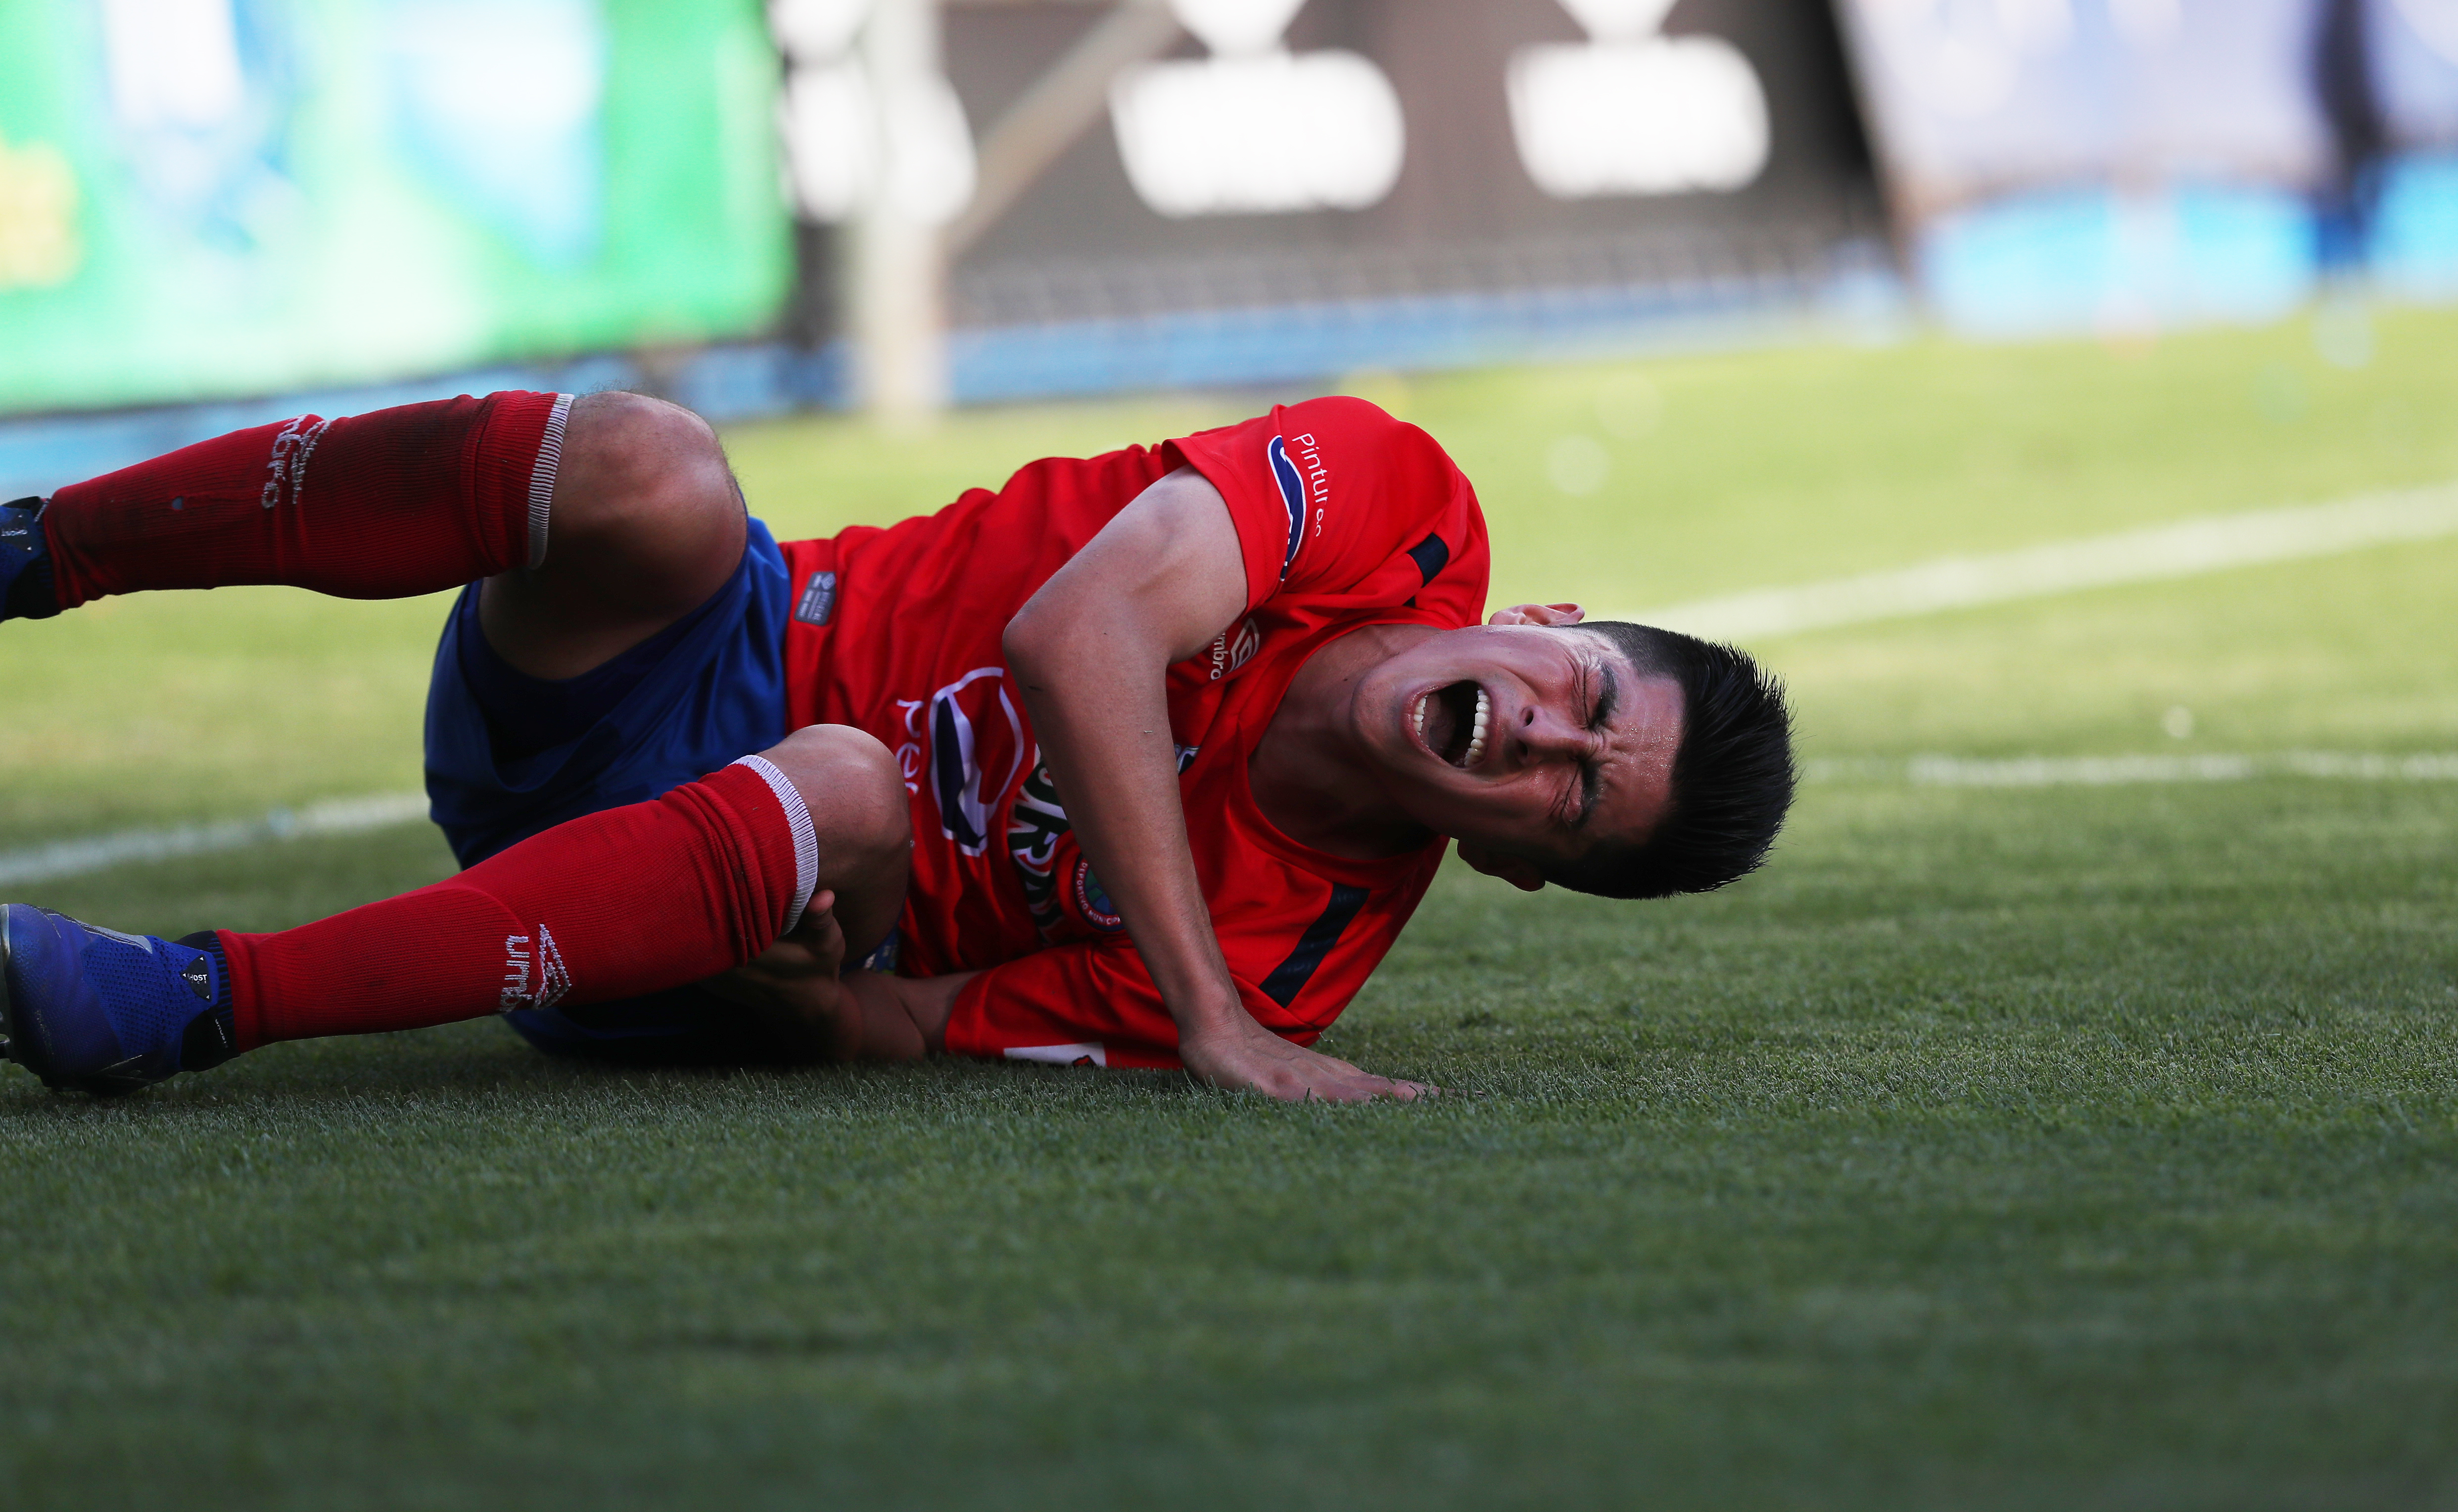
{"points": [[2058, 1148]]}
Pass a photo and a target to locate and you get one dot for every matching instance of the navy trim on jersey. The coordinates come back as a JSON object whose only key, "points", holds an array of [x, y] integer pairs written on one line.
{"points": [[1431, 556], [948, 775], [1290, 977], [1284, 472]]}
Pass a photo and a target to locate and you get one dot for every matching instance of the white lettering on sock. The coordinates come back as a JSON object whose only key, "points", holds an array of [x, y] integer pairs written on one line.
{"points": [[534, 978], [287, 467], [517, 975]]}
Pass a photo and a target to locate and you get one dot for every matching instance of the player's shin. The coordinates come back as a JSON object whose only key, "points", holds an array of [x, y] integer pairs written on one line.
{"points": [[386, 505], [616, 905]]}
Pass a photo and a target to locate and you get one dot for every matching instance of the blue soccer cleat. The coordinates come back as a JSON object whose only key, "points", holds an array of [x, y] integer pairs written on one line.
{"points": [[99, 1011], [26, 589]]}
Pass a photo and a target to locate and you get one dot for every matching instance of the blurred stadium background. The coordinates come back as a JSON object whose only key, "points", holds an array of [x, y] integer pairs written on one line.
{"points": [[212, 209]]}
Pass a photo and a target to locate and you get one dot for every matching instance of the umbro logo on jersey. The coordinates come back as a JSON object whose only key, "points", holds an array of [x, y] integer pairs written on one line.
{"points": [[1305, 487], [1231, 650], [819, 600]]}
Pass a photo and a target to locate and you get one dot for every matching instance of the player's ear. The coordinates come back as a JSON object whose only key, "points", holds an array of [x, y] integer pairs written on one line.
{"points": [[1538, 614], [1517, 872]]}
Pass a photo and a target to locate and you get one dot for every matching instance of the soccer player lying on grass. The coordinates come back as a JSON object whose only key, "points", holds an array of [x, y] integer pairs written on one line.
{"points": [[1142, 760]]}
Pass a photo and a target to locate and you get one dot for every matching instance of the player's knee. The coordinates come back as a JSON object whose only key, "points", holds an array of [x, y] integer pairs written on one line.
{"points": [[850, 783], [643, 485]]}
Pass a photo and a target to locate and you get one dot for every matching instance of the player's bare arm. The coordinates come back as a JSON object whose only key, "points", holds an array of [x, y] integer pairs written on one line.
{"points": [[1091, 650]]}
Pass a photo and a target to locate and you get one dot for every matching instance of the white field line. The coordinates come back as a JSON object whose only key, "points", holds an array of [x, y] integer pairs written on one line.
{"points": [[2122, 771], [36, 863], [2185, 549], [2206, 544]]}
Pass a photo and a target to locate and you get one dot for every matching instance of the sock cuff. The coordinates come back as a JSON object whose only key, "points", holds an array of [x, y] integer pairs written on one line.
{"points": [[807, 839], [515, 450], [210, 1037], [549, 458]]}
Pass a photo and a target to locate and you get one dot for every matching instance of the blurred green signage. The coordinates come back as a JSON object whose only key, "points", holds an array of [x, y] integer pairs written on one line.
{"points": [[204, 198]]}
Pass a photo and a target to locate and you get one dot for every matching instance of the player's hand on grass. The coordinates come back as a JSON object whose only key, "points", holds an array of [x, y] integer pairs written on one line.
{"points": [[1242, 1055]]}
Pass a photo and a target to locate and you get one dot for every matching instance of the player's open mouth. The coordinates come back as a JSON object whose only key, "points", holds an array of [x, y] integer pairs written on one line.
{"points": [[1452, 721]]}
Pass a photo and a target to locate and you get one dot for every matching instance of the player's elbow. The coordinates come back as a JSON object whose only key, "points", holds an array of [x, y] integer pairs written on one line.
{"points": [[1030, 640]]}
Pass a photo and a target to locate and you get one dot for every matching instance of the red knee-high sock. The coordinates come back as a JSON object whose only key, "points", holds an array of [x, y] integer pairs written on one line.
{"points": [[611, 905], [384, 505]]}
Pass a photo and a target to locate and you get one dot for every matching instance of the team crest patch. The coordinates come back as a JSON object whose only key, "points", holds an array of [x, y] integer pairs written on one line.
{"points": [[1093, 903], [819, 600]]}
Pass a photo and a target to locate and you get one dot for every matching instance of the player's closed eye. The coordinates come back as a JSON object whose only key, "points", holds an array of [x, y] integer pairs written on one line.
{"points": [[1590, 780]]}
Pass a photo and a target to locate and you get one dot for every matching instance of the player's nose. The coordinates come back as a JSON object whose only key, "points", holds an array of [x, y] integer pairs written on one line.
{"points": [[1542, 733]]}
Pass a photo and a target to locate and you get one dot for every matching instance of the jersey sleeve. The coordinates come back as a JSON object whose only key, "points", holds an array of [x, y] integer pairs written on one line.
{"points": [[1088, 1001], [1331, 494], [1298, 954]]}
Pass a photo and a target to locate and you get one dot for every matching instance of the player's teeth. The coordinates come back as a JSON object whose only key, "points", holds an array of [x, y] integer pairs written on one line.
{"points": [[1476, 738], [1422, 704]]}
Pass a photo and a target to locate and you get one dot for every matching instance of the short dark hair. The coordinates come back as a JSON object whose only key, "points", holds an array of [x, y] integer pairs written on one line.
{"points": [[1732, 773]]}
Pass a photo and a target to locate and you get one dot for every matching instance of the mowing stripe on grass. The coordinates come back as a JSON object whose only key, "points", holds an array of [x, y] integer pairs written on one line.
{"points": [[2119, 771], [2155, 554], [376, 811]]}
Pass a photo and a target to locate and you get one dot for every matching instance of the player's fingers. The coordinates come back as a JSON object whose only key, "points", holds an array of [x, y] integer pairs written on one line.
{"points": [[1345, 1093], [1346, 1090], [1404, 1092], [1335, 1080], [1357, 1086], [1303, 1083], [1378, 1088]]}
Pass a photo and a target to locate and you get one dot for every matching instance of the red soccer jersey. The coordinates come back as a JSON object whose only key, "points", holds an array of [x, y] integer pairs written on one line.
{"points": [[1345, 516]]}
